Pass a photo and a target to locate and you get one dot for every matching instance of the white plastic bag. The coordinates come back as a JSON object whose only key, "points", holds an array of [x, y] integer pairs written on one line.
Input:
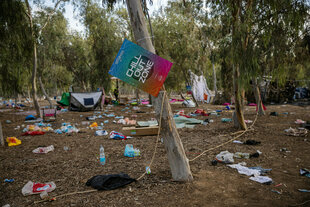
{"points": [[225, 157], [43, 150], [37, 188]]}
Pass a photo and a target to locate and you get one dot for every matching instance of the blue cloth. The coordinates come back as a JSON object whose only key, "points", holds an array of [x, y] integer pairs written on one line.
{"points": [[30, 117]]}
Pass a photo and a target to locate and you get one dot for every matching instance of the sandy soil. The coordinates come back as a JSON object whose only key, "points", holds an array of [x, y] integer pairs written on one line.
{"points": [[212, 186]]}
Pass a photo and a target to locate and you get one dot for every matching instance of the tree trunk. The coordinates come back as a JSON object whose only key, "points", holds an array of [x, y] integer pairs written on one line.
{"points": [[137, 96], [34, 69], [34, 80], [214, 83], [178, 161], [150, 99], [45, 94], [259, 102], [29, 96], [1, 135], [238, 114]]}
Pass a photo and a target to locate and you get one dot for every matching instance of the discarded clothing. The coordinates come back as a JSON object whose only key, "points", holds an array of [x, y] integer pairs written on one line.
{"points": [[33, 133], [305, 172], [262, 179], [182, 121], [13, 141], [245, 170], [147, 123], [300, 132], [261, 170], [30, 117], [251, 142], [109, 182], [201, 112], [252, 172]]}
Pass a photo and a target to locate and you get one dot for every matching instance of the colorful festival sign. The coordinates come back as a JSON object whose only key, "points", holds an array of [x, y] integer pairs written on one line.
{"points": [[140, 68]]}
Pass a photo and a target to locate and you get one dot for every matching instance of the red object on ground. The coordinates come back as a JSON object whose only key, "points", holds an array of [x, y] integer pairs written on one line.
{"points": [[264, 107], [201, 112], [40, 187], [33, 133]]}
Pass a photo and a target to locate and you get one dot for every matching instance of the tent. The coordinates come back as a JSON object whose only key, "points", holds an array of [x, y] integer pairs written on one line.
{"points": [[65, 99], [86, 101], [200, 88]]}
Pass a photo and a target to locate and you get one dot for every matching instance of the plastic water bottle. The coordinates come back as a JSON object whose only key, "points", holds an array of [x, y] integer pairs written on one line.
{"points": [[102, 156]]}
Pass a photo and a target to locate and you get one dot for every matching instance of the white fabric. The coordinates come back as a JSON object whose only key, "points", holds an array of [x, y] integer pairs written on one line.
{"points": [[200, 87], [189, 103], [249, 172], [245, 170], [80, 97], [261, 179]]}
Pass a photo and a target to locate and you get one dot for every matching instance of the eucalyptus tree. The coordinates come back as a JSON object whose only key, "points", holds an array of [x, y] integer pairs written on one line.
{"points": [[15, 48], [104, 33], [35, 31], [179, 37], [77, 60], [50, 46], [256, 29]]}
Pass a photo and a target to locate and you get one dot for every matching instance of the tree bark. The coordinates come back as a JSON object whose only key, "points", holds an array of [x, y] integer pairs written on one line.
{"points": [[150, 99], [1, 135], [178, 161], [238, 113], [45, 94], [214, 83], [34, 69], [137, 96], [259, 102]]}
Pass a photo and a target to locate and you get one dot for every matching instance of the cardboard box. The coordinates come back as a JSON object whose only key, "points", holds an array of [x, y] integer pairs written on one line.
{"points": [[123, 100], [140, 131]]}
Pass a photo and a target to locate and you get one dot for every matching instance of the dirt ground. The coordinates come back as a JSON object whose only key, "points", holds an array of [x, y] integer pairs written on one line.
{"points": [[217, 185]]}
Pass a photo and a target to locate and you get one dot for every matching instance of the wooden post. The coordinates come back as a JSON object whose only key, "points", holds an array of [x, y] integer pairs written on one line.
{"points": [[1, 135], [178, 161]]}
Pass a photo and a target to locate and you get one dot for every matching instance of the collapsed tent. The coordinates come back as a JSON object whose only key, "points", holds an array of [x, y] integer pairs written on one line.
{"points": [[65, 99], [200, 88], [86, 101]]}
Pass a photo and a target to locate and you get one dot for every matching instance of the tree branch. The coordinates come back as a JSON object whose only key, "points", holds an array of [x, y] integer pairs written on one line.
{"points": [[50, 15]]}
